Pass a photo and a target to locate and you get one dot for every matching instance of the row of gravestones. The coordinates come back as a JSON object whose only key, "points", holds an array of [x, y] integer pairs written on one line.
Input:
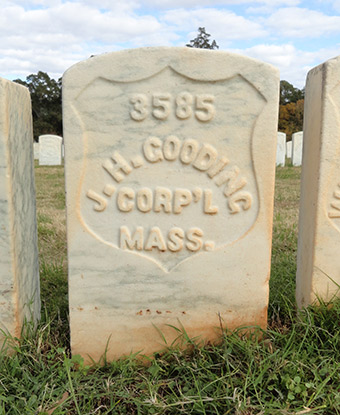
{"points": [[290, 149], [49, 150], [170, 165]]}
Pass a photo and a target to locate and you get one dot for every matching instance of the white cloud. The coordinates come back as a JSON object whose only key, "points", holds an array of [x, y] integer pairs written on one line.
{"points": [[51, 39], [292, 62], [223, 25], [76, 19], [51, 35], [336, 5], [299, 22], [171, 4]]}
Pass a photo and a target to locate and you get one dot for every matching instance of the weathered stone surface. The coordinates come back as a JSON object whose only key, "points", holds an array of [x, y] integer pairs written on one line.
{"points": [[289, 149], [50, 150], [19, 276], [170, 164], [297, 145], [318, 270], [36, 150], [281, 149]]}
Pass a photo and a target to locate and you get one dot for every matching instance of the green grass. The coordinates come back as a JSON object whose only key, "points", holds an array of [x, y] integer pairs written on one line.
{"points": [[285, 231], [292, 368]]}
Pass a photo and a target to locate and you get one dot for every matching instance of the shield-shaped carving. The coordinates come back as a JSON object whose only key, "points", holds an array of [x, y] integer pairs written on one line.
{"points": [[167, 170]]}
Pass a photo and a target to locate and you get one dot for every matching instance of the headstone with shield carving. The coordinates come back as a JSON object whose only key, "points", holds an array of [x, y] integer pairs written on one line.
{"points": [[170, 164]]}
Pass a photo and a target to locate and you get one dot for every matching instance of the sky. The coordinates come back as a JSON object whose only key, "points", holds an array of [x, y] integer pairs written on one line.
{"points": [[52, 35]]}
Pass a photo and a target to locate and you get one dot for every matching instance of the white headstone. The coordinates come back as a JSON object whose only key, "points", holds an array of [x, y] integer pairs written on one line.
{"points": [[169, 195], [50, 150], [281, 149], [297, 144], [318, 268], [289, 149], [19, 276], [36, 150]]}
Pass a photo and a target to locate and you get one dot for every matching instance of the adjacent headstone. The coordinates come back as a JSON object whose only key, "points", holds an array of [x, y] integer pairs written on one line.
{"points": [[50, 150], [19, 276], [170, 164], [297, 144], [36, 150], [281, 149], [318, 269], [289, 149]]}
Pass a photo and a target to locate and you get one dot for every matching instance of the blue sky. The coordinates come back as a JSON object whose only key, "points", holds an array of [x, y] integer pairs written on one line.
{"points": [[52, 35]]}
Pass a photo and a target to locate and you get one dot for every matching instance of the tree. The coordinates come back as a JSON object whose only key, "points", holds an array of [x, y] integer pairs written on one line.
{"points": [[291, 108], [46, 103], [202, 40], [291, 117], [288, 93]]}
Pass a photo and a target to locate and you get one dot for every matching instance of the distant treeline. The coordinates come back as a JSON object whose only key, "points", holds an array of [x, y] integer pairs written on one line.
{"points": [[47, 114], [46, 103]]}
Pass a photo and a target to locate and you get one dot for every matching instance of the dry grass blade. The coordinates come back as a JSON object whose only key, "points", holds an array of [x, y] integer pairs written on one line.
{"points": [[57, 404]]}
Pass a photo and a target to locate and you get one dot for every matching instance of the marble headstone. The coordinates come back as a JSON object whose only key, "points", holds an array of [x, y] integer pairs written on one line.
{"points": [[289, 149], [50, 151], [170, 164], [297, 145], [318, 267], [281, 149], [19, 276]]}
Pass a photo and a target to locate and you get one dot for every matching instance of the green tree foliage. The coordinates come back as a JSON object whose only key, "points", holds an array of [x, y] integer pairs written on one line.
{"points": [[288, 93], [46, 103], [202, 40]]}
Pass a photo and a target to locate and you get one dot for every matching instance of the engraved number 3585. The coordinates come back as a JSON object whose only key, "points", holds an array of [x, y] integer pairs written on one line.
{"points": [[160, 105]]}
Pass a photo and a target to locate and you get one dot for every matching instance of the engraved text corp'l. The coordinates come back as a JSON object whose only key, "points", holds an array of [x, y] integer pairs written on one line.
{"points": [[131, 197]]}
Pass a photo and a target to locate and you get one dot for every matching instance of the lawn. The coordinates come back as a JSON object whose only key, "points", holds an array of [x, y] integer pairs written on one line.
{"points": [[292, 368]]}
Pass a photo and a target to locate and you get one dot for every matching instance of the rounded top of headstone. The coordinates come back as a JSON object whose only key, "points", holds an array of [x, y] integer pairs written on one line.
{"points": [[7, 83], [50, 137], [330, 63], [135, 64]]}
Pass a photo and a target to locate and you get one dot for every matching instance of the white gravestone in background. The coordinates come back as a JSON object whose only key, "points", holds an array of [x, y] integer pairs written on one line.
{"points": [[50, 150], [170, 164], [289, 149], [36, 150], [19, 276], [297, 145], [318, 270], [281, 149]]}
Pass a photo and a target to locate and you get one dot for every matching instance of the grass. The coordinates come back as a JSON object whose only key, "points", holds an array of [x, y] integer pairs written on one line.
{"points": [[292, 368], [283, 267]]}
